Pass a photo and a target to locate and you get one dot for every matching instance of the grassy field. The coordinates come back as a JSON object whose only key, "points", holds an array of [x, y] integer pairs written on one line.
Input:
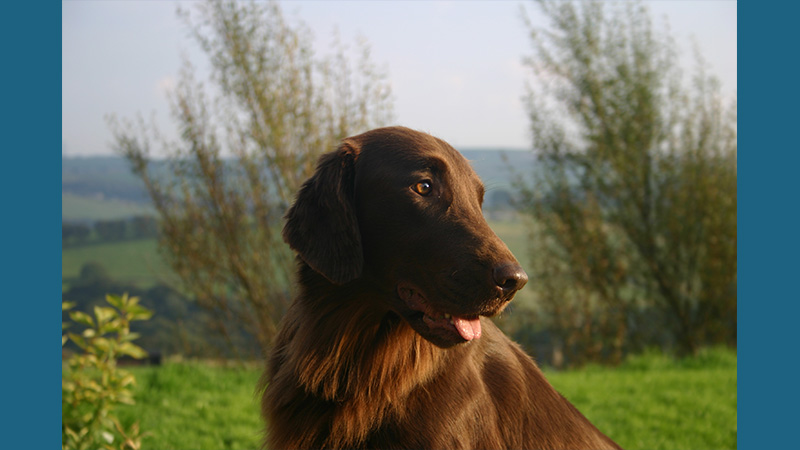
{"points": [[653, 402], [78, 208], [196, 406], [136, 261], [650, 402]]}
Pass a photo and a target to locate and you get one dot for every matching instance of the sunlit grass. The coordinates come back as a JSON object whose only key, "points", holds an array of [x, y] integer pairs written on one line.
{"points": [[650, 402], [654, 402], [197, 406]]}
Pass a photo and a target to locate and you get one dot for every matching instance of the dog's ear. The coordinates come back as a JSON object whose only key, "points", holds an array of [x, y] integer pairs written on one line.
{"points": [[322, 226]]}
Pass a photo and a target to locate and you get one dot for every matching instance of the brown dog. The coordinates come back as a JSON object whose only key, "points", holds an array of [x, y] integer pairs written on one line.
{"points": [[387, 344]]}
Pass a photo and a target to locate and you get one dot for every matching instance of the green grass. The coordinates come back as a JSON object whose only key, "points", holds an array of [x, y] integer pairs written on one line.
{"points": [[196, 406], [654, 402], [136, 261], [650, 402]]}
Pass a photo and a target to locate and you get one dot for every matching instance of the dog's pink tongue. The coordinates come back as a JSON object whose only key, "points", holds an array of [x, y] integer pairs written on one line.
{"points": [[469, 329]]}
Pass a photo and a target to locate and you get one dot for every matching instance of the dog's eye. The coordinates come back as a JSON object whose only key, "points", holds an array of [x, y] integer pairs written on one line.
{"points": [[423, 188]]}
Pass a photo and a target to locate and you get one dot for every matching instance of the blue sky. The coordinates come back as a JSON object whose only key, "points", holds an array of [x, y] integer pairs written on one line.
{"points": [[455, 67]]}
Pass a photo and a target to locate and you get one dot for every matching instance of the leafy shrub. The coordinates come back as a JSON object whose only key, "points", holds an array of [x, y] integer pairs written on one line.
{"points": [[91, 383]]}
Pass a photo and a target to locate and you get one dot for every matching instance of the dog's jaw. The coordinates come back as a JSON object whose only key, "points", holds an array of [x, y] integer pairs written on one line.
{"points": [[441, 328]]}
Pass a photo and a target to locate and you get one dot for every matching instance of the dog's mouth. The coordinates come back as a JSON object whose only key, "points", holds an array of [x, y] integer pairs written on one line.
{"points": [[442, 328]]}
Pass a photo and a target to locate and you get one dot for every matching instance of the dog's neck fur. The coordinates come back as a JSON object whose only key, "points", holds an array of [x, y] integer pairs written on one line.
{"points": [[369, 364], [333, 363]]}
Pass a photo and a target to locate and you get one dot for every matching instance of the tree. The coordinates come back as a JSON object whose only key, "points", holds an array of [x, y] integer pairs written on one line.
{"points": [[74, 233], [93, 273], [242, 155], [144, 227], [634, 195], [110, 230]]}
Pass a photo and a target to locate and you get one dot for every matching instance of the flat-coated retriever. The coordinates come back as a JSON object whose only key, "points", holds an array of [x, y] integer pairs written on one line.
{"points": [[388, 344]]}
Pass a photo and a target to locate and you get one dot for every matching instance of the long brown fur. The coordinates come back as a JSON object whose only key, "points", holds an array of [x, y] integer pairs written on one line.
{"points": [[348, 368]]}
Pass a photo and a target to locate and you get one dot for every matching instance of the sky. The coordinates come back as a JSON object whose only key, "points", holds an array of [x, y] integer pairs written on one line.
{"points": [[455, 67]]}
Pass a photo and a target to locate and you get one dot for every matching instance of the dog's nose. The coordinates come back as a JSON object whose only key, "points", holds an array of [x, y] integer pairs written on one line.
{"points": [[510, 277]]}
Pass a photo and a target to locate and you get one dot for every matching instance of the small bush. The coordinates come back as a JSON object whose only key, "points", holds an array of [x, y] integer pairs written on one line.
{"points": [[92, 385]]}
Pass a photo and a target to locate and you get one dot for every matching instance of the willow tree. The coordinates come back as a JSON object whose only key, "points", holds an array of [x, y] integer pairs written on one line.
{"points": [[244, 148], [634, 194]]}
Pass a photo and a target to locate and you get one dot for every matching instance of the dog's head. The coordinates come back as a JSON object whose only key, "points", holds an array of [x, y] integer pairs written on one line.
{"points": [[403, 210]]}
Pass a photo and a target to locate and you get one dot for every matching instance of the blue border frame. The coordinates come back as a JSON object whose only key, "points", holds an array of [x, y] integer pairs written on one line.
{"points": [[768, 227], [31, 38]]}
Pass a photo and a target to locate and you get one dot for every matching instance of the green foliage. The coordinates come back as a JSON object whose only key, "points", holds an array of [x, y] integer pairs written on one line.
{"points": [[634, 196], [92, 386]]}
